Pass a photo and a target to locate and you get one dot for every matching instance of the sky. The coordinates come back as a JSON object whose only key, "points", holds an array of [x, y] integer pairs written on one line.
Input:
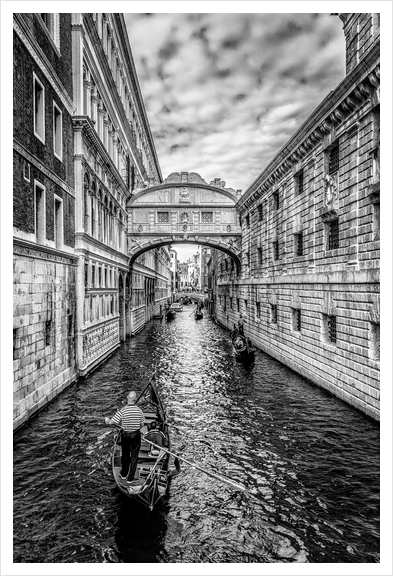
{"points": [[225, 92]]}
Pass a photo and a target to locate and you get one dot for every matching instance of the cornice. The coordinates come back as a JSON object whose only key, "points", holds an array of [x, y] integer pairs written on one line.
{"points": [[350, 95], [42, 62]]}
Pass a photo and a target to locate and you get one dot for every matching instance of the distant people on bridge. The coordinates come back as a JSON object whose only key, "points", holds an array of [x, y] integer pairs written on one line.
{"points": [[130, 419]]}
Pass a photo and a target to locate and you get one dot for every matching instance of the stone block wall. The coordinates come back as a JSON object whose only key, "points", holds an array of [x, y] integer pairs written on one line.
{"points": [[44, 329]]}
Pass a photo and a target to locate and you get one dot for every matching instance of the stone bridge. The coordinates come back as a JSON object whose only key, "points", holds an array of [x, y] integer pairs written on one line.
{"points": [[184, 209]]}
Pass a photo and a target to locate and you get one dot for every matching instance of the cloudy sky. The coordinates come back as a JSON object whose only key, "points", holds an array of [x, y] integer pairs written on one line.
{"points": [[224, 92]]}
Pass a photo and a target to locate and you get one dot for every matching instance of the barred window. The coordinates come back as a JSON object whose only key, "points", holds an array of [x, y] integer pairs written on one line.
{"points": [[299, 244], [258, 309], [273, 313], [296, 319], [333, 234], [276, 253], [238, 304], [207, 217], [48, 332], [276, 200], [260, 212], [332, 329], [334, 163], [259, 252], [163, 217], [299, 182], [248, 220], [374, 341]]}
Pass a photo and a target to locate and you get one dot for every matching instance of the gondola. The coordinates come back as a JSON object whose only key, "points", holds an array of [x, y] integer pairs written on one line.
{"points": [[242, 347], [170, 314], [152, 476], [198, 315]]}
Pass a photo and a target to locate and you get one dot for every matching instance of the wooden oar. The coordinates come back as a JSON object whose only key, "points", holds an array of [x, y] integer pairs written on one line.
{"points": [[208, 472]]}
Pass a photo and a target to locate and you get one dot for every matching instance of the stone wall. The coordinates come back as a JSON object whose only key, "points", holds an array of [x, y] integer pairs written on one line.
{"points": [[43, 329]]}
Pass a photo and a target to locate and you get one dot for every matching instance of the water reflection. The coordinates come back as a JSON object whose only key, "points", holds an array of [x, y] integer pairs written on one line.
{"points": [[309, 463]]}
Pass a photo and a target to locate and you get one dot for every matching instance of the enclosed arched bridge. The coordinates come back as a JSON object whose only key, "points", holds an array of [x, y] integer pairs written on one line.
{"points": [[184, 208]]}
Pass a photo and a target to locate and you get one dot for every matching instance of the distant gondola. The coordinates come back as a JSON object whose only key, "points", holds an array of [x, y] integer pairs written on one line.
{"points": [[242, 347], [198, 314]]}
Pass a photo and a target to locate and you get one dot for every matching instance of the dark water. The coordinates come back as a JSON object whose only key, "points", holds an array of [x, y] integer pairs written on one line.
{"points": [[309, 462]]}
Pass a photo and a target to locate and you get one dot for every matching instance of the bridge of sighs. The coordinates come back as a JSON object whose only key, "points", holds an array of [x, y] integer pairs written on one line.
{"points": [[184, 209]]}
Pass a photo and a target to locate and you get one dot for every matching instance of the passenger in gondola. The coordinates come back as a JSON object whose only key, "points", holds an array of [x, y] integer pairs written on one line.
{"points": [[155, 435]]}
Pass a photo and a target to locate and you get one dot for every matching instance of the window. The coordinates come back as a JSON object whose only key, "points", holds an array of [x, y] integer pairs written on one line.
{"points": [[163, 217], [273, 313], [246, 306], [333, 234], [276, 200], [238, 304], [248, 220], [260, 212], [374, 341], [39, 109], [258, 309], [376, 221], [296, 319], [57, 131], [58, 228], [86, 275], [26, 171], [14, 343], [248, 258], [99, 277], [48, 332], [51, 22], [330, 328], [259, 253], [231, 302], [299, 182], [93, 276], [298, 244], [207, 217], [276, 254], [40, 222], [334, 163]]}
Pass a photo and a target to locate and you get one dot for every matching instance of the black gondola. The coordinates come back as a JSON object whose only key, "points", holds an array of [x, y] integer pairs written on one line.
{"points": [[152, 473], [242, 347]]}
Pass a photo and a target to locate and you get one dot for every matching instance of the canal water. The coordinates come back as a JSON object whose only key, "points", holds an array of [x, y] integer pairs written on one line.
{"points": [[310, 464]]}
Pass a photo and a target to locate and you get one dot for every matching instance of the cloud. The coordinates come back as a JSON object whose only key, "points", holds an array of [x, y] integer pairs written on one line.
{"points": [[224, 92]]}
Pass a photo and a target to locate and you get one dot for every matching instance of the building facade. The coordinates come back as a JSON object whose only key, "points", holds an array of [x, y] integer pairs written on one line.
{"points": [[309, 285], [82, 147], [44, 275]]}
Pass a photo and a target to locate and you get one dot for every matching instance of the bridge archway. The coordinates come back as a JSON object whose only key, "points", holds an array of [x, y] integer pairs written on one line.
{"points": [[184, 209]]}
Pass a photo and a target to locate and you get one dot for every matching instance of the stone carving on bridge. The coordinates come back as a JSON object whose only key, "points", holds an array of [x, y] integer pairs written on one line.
{"points": [[184, 217], [184, 194], [184, 177]]}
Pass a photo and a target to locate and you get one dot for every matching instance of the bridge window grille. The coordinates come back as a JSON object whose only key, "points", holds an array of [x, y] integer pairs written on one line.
{"points": [[334, 160], [333, 234], [273, 313], [163, 217], [299, 244], [296, 319], [207, 217]]}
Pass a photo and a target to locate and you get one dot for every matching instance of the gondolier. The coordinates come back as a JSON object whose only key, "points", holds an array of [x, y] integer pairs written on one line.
{"points": [[130, 418]]}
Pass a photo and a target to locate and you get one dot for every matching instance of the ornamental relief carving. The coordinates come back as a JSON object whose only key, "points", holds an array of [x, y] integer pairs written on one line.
{"points": [[331, 192]]}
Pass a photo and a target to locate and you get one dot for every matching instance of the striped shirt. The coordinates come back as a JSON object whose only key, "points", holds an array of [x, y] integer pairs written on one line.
{"points": [[130, 418]]}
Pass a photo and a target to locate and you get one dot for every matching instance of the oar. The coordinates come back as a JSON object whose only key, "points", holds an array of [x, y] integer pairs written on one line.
{"points": [[208, 472]]}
